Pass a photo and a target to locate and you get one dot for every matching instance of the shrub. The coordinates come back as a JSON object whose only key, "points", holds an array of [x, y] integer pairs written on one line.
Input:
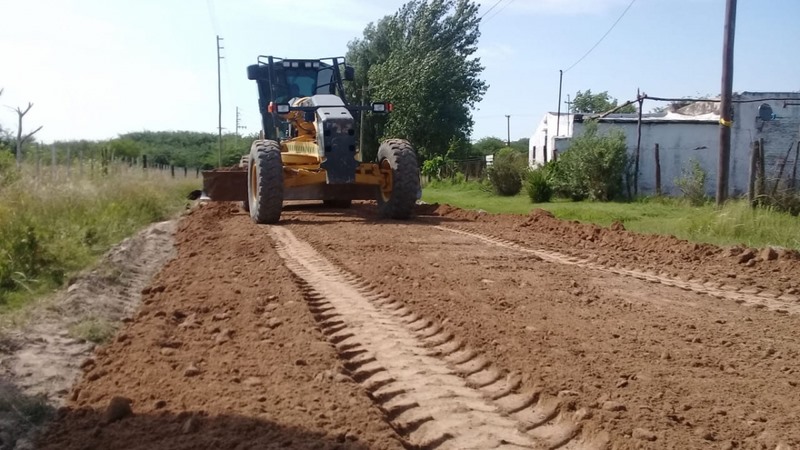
{"points": [[8, 169], [538, 185], [593, 167], [506, 172], [692, 183], [49, 230]]}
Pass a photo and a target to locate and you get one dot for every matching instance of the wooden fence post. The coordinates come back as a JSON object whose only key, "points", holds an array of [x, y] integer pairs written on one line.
{"points": [[658, 171], [794, 169], [762, 177], [638, 146], [38, 162], [52, 162], [751, 191]]}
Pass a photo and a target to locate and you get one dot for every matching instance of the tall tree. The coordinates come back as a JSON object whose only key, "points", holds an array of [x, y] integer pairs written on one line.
{"points": [[422, 60], [586, 102], [488, 145]]}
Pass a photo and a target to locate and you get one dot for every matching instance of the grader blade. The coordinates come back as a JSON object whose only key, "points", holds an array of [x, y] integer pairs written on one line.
{"points": [[225, 185]]}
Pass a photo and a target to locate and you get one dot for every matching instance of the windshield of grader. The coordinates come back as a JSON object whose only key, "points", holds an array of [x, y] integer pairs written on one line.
{"points": [[302, 82]]}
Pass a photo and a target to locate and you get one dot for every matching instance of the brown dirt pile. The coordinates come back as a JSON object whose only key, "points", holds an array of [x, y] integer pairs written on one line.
{"points": [[770, 269], [222, 354]]}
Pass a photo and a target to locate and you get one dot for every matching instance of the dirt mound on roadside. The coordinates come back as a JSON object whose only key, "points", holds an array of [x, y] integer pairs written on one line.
{"points": [[588, 235], [774, 269]]}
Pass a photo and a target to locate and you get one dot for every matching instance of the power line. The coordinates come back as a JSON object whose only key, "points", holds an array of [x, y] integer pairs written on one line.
{"points": [[498, 11], [601, 39], [490, 9]]}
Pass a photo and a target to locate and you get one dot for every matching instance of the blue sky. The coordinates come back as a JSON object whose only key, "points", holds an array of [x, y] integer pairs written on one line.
{"points": [[97, 68]]}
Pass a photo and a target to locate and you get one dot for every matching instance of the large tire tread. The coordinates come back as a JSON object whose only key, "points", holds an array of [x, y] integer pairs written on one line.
{"points": [[267, 203], [405, 179]]}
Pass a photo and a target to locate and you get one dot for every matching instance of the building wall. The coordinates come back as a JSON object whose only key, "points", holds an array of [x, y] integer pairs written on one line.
{"points": [[545, 134], [778, 134], [680, 142]]}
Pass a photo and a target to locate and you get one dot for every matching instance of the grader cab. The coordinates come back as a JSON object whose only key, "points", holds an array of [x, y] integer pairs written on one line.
{"points": [[307, 148]]}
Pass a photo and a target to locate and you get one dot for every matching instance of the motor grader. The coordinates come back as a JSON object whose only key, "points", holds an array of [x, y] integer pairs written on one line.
{"points": [[307, 148]]}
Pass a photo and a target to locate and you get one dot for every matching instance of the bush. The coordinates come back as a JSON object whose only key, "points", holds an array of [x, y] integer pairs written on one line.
{"points": [[539, 186], [49, 230], [692, 183], [593, 167], [506, 172], [8, 169]]}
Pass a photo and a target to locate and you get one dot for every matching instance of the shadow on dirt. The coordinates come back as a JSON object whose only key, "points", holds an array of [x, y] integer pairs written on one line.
{"points": [[320, 214], [83, 429], [21, 417]]}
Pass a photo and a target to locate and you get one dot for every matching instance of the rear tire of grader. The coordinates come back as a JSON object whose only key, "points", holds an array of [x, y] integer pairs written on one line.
{"points": [[265, 182], [398, 193]]}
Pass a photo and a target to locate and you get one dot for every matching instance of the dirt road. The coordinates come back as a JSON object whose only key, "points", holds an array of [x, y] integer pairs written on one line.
{"points": [[454, 330]]}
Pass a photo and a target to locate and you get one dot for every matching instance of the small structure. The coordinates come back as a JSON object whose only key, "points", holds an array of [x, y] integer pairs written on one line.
{"points": [[691, 132]]}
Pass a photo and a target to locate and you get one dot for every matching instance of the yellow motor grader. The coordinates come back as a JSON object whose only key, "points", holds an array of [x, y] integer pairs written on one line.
{"points": [[307, 148]]}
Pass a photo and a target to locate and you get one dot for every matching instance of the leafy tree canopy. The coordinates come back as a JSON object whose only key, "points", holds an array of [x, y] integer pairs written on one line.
{"points": [[422, 60], [586, 102]]}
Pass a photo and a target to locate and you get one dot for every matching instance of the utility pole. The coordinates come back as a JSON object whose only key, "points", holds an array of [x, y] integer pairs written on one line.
{"points": [[508, 130], [238, 121], [558, 120], [725, 121], [569, 111], [219, 99]]}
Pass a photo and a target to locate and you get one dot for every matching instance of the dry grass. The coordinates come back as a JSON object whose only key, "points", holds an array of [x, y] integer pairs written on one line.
{"points": [[52, 226]]}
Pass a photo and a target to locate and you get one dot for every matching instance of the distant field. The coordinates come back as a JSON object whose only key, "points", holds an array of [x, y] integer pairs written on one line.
{"points": [[736, 223]]}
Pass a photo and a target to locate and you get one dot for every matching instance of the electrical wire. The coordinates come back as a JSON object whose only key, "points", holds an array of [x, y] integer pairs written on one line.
{"points": [[602, 38], [490, 9], [498, 11]]}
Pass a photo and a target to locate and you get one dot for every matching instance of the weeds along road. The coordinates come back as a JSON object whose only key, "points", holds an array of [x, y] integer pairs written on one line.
{"points": [[454, 330]]}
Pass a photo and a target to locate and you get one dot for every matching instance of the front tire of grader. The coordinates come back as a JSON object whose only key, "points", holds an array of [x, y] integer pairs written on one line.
{"points": [[265, 182], [397, 195]]}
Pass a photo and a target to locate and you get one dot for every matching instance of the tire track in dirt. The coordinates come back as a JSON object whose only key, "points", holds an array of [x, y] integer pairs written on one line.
{"points": [[747, 296], [435, 391]]}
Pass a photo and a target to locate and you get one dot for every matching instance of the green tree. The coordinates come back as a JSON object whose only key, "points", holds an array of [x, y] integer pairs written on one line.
{"points": [[586, 102], [521, 145], [507, 171], [593, 167], [488, 145], [422, 60]]}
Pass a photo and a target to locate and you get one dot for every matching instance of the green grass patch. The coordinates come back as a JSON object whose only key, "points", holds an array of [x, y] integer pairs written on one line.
{"points": [[736, 223], [51, 229], [94, 330]]}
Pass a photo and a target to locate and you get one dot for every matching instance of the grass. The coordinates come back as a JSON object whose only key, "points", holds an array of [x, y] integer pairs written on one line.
{"points": [[51, 229], [735, 223], [94, 330]]}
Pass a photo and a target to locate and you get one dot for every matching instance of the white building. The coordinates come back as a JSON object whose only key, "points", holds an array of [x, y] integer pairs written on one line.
{"points": [[690, 133]]}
